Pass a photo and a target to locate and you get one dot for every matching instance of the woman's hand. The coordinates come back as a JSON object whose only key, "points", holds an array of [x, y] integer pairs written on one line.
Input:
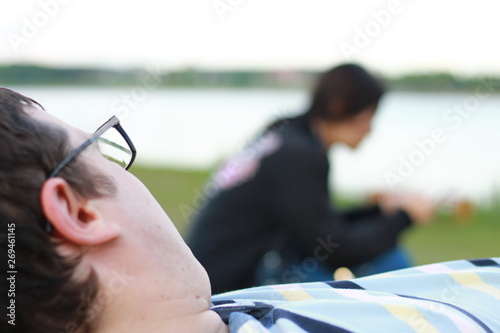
{"points": [[420, 209]]}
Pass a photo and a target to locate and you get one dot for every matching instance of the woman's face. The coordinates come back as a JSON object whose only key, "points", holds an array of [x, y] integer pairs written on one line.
{"points": [[354, 130]]}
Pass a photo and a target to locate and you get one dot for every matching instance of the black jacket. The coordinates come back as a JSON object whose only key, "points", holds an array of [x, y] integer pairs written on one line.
{"points": [[279, 186]]}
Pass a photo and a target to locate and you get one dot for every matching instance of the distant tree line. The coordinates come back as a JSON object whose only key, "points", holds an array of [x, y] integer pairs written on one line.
{"points": [[27, 74], [440, 82]]}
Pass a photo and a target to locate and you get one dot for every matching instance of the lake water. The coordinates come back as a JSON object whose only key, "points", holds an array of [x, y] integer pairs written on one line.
{"points": [[440, 144]]}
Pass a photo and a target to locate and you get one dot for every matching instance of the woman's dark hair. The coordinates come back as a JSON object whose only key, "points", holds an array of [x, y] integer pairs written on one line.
{"points": [[47, 297], [339, 94], [343, 92]]}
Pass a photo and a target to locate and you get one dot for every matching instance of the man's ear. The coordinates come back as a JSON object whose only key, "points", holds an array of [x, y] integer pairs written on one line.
{"points": [[75, 218]]}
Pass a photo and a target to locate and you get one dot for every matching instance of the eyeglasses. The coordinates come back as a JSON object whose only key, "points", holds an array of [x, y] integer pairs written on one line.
{"points": [[115, 145]]}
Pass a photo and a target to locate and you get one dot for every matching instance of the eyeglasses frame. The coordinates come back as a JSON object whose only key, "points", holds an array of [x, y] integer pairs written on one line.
{"points": [[112, 122]]}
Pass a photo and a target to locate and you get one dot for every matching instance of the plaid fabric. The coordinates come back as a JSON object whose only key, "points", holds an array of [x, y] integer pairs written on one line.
{"points": [[457, 296]]}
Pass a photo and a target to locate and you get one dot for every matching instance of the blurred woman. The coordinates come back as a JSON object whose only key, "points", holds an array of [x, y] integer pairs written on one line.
{"points": [[271, 218]]}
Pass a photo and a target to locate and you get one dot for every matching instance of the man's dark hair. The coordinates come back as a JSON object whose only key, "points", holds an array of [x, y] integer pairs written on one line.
{"points": [[351, 86], [47, 297]]}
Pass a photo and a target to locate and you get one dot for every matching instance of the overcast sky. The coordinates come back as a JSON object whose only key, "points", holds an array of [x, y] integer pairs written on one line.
{"points": [[390, 36]]}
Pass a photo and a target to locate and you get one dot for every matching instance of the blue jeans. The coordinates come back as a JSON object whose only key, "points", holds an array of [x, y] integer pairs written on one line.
{"points": [[396, 258], [292, 266]]}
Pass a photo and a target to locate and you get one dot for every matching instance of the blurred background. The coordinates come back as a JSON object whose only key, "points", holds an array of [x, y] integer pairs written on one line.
{"points": [[194, 81]]}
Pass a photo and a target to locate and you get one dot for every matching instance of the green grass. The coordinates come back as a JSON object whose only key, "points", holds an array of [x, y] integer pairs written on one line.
{"points": [[449, 239], [175, 190], [179, 193]]}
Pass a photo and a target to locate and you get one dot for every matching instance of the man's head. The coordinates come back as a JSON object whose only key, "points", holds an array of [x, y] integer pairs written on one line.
{"points": [[106, 227]]}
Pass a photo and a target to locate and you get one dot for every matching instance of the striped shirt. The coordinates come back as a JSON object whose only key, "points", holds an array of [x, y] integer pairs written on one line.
{"points": [[457, 296]]}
